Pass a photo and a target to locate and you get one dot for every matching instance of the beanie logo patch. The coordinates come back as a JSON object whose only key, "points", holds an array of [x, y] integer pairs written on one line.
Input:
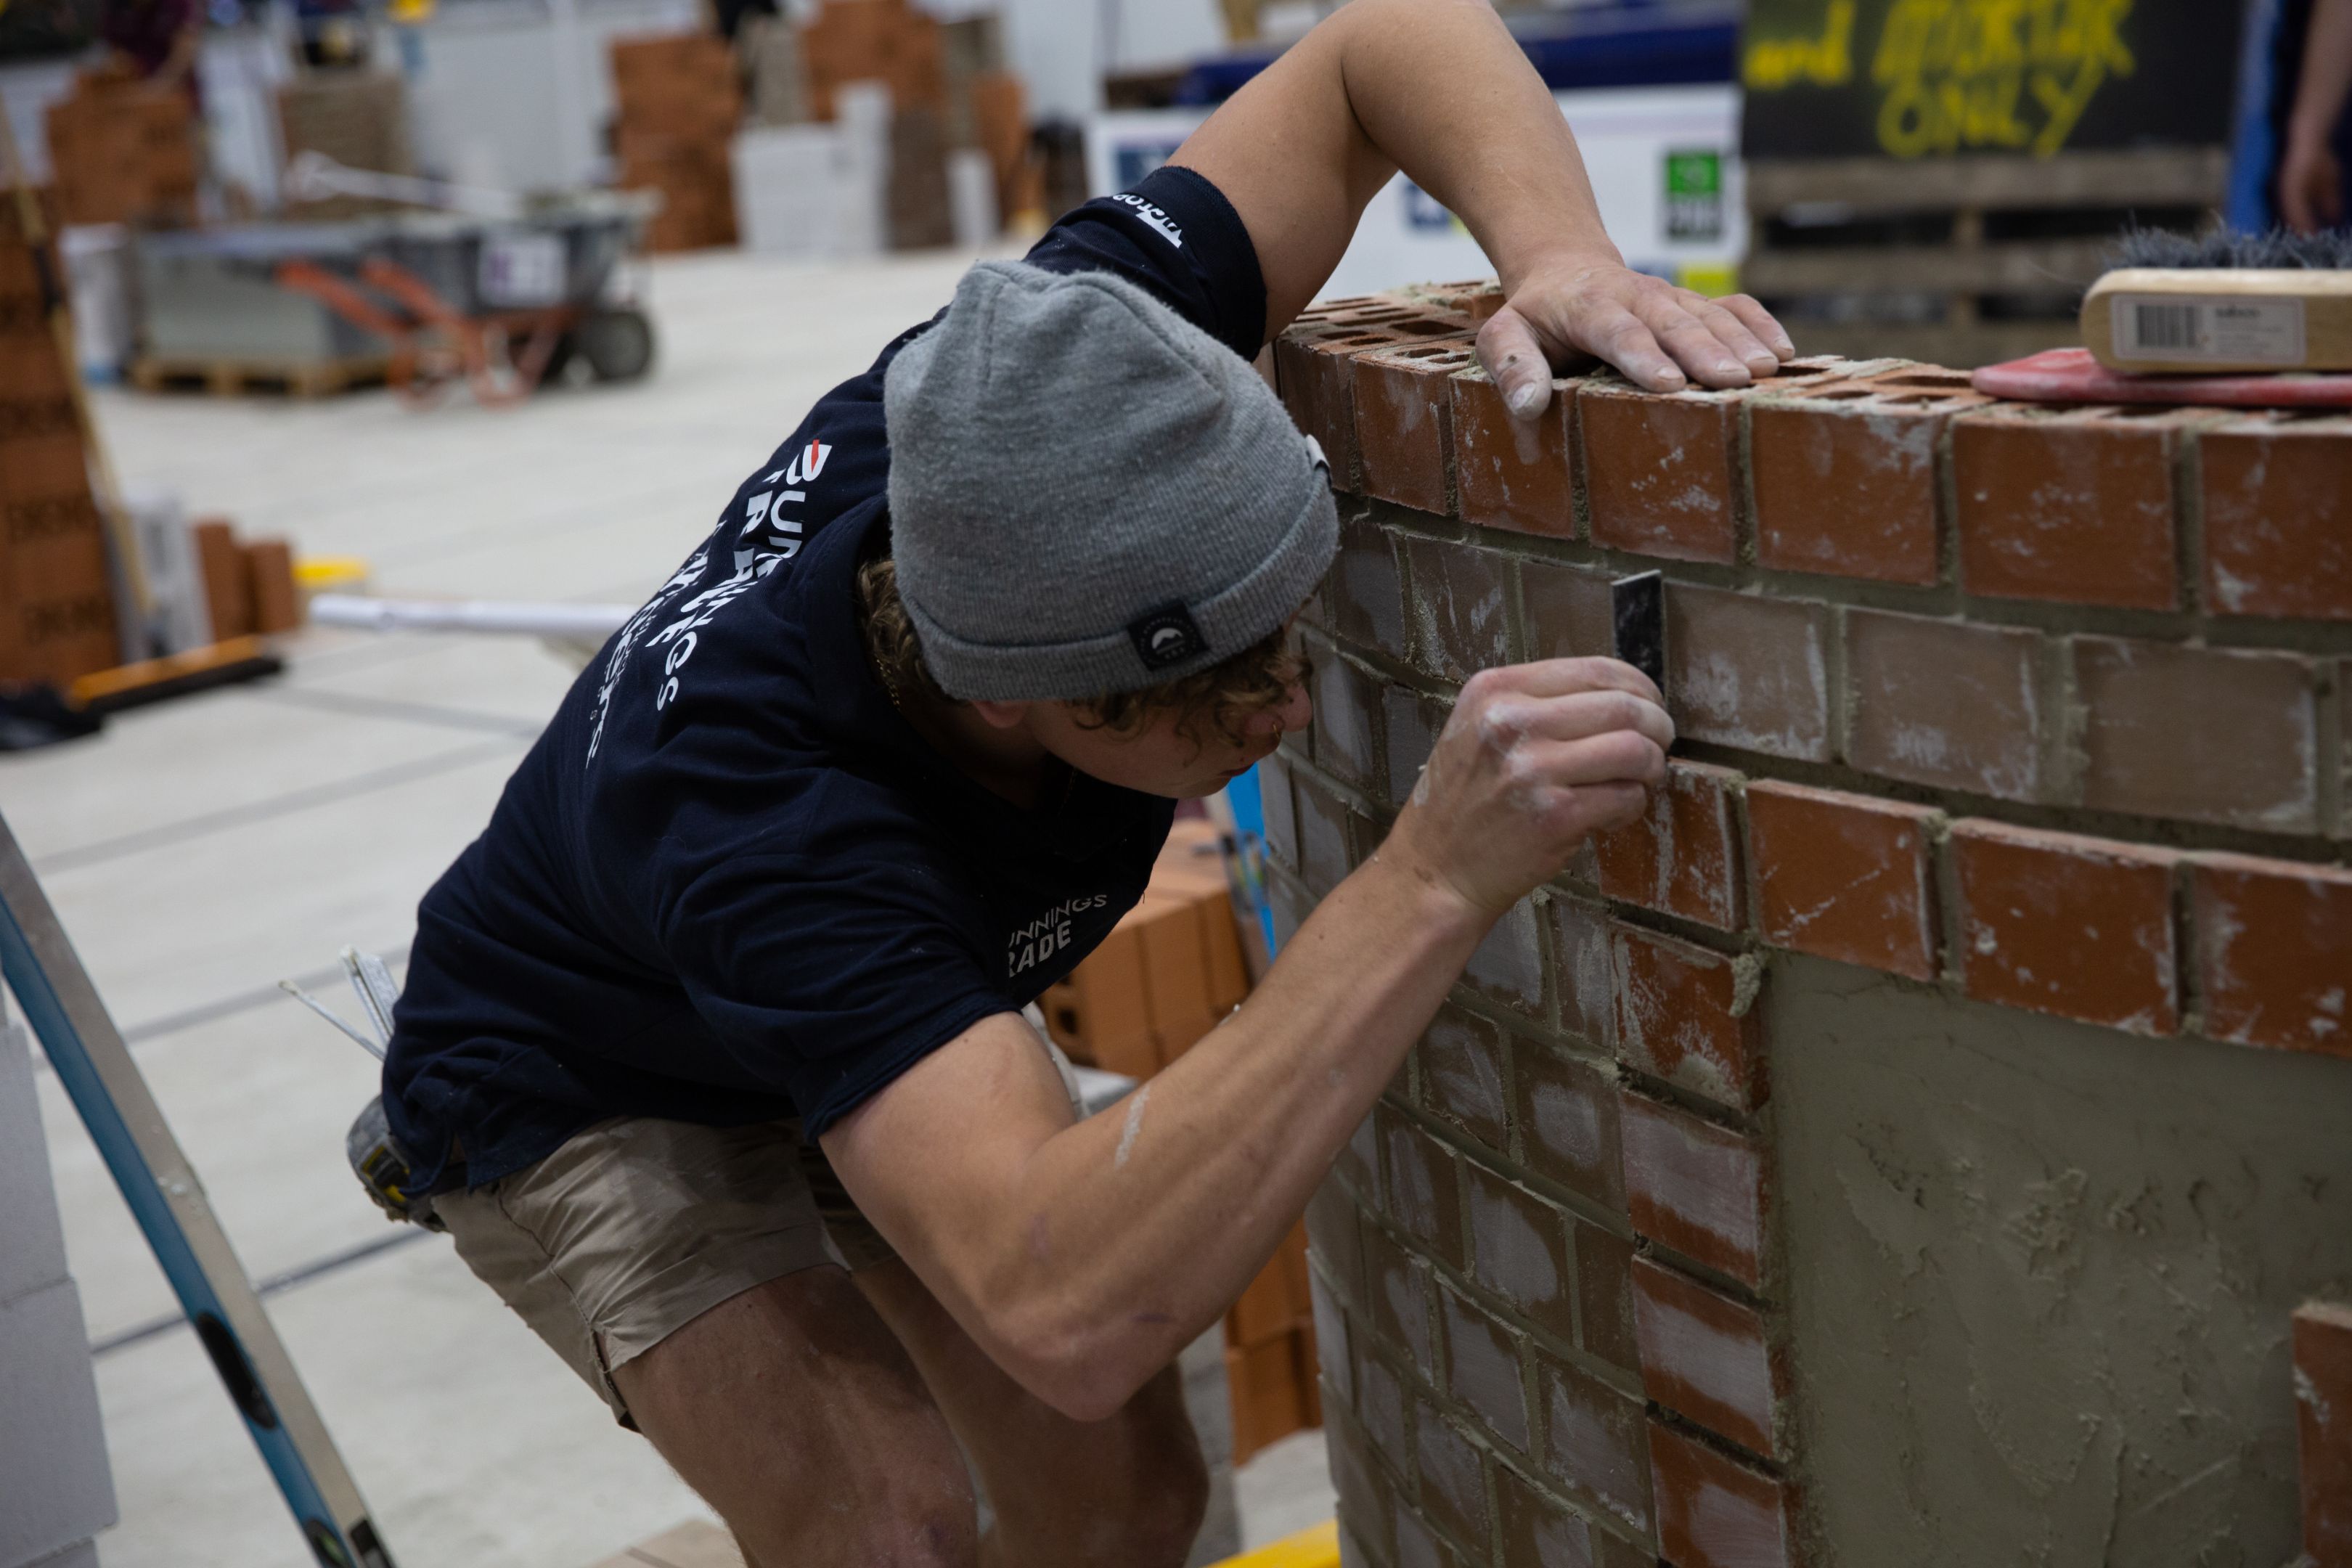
{"points": [[1166, 636]]}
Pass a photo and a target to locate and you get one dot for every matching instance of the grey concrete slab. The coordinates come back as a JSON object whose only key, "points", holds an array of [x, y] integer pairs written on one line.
{"points": [[439, 679], [54, 1485], [32, 1238]]}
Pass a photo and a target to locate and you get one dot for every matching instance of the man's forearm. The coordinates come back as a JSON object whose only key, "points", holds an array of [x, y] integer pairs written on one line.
{"points": [[1445, 92], [1145, 1223]]}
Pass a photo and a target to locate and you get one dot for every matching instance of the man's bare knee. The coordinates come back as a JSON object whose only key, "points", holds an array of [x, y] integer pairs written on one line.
{"points": [[918, 1516]]}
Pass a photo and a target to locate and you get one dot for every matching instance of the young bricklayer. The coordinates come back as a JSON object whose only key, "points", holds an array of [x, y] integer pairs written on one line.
{"points": [[711, 1053]]}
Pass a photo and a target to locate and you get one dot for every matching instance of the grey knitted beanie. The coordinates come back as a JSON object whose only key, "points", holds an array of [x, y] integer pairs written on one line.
{"points": [[1089, 494]]}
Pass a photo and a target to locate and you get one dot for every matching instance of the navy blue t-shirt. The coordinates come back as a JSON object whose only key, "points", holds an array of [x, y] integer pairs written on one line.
{"points": [[729, 882]]}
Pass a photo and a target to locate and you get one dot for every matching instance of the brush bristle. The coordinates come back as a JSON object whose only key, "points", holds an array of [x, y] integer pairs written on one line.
{"points": [[2227, 249]]}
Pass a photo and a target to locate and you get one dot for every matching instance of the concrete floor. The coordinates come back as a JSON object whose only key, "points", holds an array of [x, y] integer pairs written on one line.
{"points": [[201, 850]]}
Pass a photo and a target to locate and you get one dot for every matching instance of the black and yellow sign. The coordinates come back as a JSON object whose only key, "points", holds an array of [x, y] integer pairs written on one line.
{"points": [[1927, 79]]}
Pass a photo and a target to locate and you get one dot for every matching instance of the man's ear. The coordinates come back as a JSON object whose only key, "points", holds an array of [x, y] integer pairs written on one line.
{"points": [[1001, 715]]}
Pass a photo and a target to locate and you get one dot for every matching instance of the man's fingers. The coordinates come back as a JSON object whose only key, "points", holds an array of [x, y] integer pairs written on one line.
{"points": [[1578, 716], [1507, 347], [1733, 335], [1696, 348], [1564, 677], [1608, 807], [1619, 757], [1623, 338], [1763, 322]]}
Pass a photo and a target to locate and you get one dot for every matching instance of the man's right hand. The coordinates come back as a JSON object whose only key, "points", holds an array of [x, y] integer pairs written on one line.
{"points": [[1536, 758]]}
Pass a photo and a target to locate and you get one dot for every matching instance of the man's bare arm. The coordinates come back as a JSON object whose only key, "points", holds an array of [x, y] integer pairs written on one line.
{"points": [[1084, 1256], [1439, 89]]}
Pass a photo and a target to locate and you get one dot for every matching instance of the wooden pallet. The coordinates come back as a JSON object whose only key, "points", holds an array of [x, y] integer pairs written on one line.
{"points": [[1962, 261], [236, 378]]}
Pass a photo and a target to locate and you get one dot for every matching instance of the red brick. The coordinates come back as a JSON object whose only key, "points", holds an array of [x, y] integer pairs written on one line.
{"points": [[1694, 1187], [1482, 1369], [1405, 422], [1461, 602], [1844, 473], [1333, 1234], [1363, 594], [1344, 698], [1679, 857], [1704, 1356], [2274, 952], [1946, 704], [1568, 611], [1518, 1250], [1749, 672], [1538, 1532], [1414, 721], [1398, 1283], [1657, 470], [1605, 1295], [1713, 1511], [2322, 1399], [1423, 1194], [1452, 1475], [1842, 876], [1681, 1017], [2072, 504], [1569, 1124], [1281, 812], [2060, 923], [1584, 970], [1381, 1403], [1512, 473], [1314, 367], [1326, 833], [1508, 964], [2278, 490], [2257, 711], [1462, 1076], [1592, 1441]]}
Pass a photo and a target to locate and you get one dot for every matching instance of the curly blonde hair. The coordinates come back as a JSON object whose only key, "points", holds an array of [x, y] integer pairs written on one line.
{"points": [[1225, 696]]}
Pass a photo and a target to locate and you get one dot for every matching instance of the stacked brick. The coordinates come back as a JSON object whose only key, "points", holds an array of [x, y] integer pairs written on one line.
{"points": [[121, 151], [679, 99], [2044, 708], [56, 605]]}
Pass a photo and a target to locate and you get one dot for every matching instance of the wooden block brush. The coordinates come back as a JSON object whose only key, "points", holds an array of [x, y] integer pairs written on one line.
{"points": [[2178, 304]]}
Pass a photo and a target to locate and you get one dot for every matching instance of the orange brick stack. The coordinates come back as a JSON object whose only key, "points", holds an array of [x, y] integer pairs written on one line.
{"points": [[56, 605], [2001, 707], [248, 586], [1165, 975], [886, 41], [122, 152], [680, 99], [1270, 1368]]}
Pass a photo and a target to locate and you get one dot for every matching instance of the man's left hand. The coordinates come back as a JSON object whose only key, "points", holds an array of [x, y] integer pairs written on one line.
{"points": [[1661, 336]]}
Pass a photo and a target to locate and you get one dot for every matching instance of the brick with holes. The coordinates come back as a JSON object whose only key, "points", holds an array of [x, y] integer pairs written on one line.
{"points": [[1404, 421], [1844, 472]]}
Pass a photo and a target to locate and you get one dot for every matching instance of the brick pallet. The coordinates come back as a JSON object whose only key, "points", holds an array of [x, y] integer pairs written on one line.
{"points": [[1839, 1132], [57, 603], [1966, 262], [679, 100], [122, 152]]}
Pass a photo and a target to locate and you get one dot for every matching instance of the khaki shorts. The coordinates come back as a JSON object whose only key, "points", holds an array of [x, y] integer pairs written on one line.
{"points": [[635, 1227]]}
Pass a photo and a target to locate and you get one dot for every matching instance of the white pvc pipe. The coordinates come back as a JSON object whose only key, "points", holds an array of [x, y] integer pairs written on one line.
{"points": [[593, 622]]}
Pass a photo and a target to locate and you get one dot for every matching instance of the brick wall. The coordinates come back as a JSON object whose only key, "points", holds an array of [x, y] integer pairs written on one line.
{"points": [[2039, 708]]}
